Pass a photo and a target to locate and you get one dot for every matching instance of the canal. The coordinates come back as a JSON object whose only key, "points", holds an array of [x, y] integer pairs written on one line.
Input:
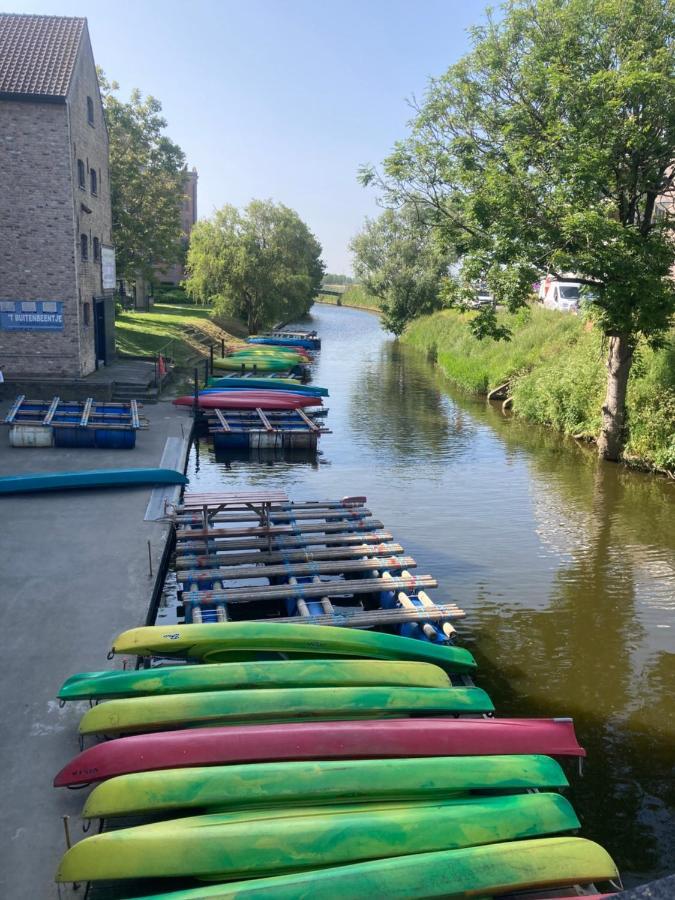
{"points": [[565, 566]]}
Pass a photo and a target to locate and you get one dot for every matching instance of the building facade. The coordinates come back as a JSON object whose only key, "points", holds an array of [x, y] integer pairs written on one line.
{"points": [[174, 274], [57, 310]]}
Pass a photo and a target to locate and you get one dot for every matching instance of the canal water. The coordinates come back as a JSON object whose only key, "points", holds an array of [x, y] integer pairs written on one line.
{"points": [[565, 566]]}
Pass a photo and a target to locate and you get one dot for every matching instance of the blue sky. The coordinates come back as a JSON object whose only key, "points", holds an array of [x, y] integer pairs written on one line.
{"points": [[279, 98]]}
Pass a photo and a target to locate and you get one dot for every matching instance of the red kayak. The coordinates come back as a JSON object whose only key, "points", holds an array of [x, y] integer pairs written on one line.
{"points": [[256, 399], [368, 739]]}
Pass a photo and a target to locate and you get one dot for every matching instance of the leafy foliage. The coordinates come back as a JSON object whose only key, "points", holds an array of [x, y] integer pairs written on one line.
{"points": [[400, 263], [261, 265], [550, 148], [146, 182]]}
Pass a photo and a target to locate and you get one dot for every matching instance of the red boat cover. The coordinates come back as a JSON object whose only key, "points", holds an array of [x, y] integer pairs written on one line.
{"points": [[368, 739], [250, 399]]}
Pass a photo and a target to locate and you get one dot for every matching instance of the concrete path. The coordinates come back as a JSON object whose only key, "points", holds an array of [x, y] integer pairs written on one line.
{"points": [[73, 573]]}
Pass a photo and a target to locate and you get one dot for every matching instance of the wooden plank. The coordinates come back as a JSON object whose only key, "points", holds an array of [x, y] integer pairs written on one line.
{"points": [[369, 618], [227, 497], [220, 534], [310, 424], [324, 589], [86, 412], [223, 421], [291, 541], [50, 412], [16, 406], [360, 551], [263, 418], [135, 421], [336, 567], [280, 515], [351, 503]]}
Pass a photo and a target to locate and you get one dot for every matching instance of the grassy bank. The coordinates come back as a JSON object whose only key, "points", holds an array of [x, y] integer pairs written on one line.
{"points": [[556, 368], [182, 333], [353, 295]]}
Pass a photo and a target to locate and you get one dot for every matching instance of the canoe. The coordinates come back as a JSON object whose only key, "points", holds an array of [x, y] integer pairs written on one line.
{"points": [[266, 350], [306, 343], [294, 783], [143, 714], [272, 384], [228, 391], [249, 363], [254, 399], [386, 738], [213, 643], [450, 874], [257, 843], [92, 478], [236, 675]]}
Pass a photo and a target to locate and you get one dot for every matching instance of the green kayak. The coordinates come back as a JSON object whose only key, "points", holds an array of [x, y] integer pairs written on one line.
{"points": [[213, 643], [453, 875], [288, 783], [227, 846], [270, 674], [143, 714]]}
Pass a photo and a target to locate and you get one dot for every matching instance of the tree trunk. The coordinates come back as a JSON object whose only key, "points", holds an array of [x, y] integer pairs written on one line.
{"points": [[619, 359]]}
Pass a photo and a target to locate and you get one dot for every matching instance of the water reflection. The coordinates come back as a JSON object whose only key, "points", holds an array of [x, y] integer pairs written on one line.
{"points": [[564, 566]]}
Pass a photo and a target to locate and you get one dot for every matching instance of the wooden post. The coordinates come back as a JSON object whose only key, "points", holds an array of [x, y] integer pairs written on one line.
{"points": [[195, 402], [222, 346], [206, 372], [150, 559], [211, 356]]}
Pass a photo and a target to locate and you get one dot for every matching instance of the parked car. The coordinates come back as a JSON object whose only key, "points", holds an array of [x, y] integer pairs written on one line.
{"points": [[483, 298], [562, 295]]}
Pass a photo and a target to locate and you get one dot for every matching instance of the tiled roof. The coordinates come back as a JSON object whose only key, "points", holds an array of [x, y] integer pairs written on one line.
{"points": [[38, 53]]}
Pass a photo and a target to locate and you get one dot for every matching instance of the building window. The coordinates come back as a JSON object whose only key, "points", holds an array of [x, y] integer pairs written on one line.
{"points": [[97, 249], [93, 179], [90, 111], [84, 247], [81, 178], [85, 310]]}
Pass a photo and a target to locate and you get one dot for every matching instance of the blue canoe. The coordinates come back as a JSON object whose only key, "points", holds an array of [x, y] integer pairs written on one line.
{"points": [[298, 392], [93, 478], [283, 342], [268, 384]]}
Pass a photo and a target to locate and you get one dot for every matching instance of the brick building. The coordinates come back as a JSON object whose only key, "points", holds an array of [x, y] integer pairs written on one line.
{"points": [[174, 274], [57, 314]]}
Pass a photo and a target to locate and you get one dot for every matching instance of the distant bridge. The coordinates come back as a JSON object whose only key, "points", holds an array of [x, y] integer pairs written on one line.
{"points": [[330, 292]]}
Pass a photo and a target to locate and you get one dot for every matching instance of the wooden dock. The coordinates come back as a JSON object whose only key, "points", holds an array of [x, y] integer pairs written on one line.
{"points": [[258, 555], [260, 429]]}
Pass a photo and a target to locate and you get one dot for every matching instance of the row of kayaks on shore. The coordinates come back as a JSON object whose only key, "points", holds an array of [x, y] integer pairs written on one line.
{"points": [[350, 763]]}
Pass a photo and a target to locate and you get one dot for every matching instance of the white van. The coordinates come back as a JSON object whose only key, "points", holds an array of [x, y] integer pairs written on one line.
{"points": [[561, 295]]}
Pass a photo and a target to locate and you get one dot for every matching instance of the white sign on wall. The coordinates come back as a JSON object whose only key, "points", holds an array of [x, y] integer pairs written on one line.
{"points": [[108, 268]]}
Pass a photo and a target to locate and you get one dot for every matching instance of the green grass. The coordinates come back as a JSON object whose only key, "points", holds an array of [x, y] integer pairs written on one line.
{"points": [[556, 365], [352, 295], [182, 333]]}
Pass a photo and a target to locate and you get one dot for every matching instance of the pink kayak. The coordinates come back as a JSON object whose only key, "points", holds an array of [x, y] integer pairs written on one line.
{"points": [[250, 400], [367, 739]]}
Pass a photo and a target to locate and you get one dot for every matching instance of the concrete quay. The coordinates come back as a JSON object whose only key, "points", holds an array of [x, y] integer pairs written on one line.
{"points": [[74, 572]]}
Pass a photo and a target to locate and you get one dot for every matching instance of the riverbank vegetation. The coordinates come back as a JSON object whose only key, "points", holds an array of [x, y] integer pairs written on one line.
{"points": [[180, 333], [549, 149], [555, 366], [261, 265]]}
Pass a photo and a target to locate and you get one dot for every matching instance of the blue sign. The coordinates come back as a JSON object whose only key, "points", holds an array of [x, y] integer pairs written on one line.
{"points": [[31, 315]]}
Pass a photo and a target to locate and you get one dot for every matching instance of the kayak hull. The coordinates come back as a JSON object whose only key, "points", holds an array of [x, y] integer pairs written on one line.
{"points": [[450, 874], [307, 783], [384, 738], [257, 844], [260, 363], [143, 714], [272, 384], [213, 642], [250, 400], [94, 478], [233, 676]]}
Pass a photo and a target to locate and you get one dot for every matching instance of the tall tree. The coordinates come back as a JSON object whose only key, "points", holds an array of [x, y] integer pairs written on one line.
{"points": [[260, 265], [401, 263], [147, 182], [550, 148]]}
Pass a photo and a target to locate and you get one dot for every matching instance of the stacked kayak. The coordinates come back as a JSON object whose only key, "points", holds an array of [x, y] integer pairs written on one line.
{"points": [[283, 757], [252, 399], [273, 384]]}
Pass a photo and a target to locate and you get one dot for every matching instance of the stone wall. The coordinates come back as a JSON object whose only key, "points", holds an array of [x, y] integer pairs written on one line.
{"points": [[37, 236], [89, 143]]}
